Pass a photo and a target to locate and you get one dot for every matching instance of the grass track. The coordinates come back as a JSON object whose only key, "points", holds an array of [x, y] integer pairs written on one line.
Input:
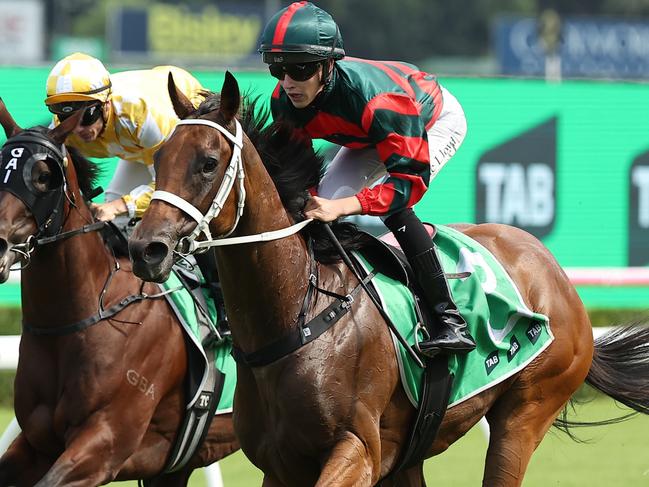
{"points": [[614, 456]]}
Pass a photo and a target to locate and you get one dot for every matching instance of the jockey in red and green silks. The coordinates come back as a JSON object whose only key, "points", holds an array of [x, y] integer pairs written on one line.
{"points": [[397, 127]]}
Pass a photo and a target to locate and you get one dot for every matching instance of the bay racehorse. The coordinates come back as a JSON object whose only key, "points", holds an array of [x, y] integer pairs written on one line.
{"points": [[95, 403], [332, 413]]}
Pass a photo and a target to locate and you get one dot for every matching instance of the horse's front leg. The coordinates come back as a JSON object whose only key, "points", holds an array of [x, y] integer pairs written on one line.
{"points": [[95, 451], [352, 462], [21, 465]]}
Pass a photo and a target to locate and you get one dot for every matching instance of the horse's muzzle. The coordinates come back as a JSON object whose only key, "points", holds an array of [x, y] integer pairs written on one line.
{"points": [[152, 259]]}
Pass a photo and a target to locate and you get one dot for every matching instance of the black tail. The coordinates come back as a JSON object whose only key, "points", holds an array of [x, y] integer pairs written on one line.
{"points": [[620, 369]]}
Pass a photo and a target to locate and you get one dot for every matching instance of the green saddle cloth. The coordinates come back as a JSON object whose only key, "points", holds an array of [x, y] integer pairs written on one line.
{"points": [[508, 334], [183, 305]]}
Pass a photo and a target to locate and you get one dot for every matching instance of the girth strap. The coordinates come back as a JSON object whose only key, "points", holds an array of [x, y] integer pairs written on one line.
{"points": [[300, 336]]}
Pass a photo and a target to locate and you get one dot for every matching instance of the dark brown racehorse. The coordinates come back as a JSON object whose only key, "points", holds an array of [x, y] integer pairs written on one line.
{"points": [[103, 403], [332, 413]]}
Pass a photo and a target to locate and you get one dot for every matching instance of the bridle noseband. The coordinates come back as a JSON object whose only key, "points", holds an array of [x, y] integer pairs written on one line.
{"points": [[186, 245]]}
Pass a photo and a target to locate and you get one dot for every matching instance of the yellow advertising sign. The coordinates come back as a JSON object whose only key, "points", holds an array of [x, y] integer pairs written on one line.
{"points": [[178, 30]]}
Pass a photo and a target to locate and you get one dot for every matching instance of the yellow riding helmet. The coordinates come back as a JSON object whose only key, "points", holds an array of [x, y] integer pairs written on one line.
{"points": [[78, 77]]}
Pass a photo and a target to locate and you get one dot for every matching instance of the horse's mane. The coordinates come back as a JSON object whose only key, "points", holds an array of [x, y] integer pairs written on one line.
{"points": [[87, 171], [293, 165]]}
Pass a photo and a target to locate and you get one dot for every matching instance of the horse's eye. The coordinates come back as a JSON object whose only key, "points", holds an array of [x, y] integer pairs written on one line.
{"points": [[44, 177], [209, 165]]}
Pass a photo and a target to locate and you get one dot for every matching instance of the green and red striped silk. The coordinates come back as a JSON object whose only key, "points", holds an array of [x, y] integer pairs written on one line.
{"points": [[383, 104]]}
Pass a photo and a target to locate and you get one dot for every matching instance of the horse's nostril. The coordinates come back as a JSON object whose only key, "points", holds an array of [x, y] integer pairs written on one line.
{"points": [[155, 252], [4, 246]]}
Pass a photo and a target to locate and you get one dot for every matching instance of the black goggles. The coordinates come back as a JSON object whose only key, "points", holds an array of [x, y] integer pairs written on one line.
{"points": [[91, 114], [297, 72]]}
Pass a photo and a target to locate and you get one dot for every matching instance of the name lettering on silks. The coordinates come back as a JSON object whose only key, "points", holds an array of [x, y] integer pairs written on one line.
{"points": [[12, 165], [141, 383], [533, 332]]}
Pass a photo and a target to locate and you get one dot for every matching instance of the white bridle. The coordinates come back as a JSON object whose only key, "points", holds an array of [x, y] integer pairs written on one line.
{"points": [[189, 244], [232, 172]]}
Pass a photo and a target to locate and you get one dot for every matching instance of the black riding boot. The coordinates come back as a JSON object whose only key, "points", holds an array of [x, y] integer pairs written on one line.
{"points": [[453, 335]]}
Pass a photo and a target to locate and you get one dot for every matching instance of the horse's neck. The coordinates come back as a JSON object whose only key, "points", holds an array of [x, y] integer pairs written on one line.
{"points": [[64, 279], [263, 283]]}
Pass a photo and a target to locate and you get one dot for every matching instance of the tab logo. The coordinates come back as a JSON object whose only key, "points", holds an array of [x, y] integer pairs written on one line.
{"points": [[638, 241], [534, 331], [514, 347], [491, 362], [516, 181]]}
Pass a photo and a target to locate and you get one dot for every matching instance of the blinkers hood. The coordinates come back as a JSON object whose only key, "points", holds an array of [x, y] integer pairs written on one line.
{"points": [[17, 159]]}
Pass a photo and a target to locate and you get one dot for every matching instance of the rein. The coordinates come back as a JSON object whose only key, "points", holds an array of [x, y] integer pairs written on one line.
{"points": [[25, 249], [259, 237], [103, 313]]}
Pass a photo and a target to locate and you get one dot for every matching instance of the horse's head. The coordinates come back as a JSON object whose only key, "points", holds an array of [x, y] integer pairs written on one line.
{"points": [[196, 169], [32, 185]]}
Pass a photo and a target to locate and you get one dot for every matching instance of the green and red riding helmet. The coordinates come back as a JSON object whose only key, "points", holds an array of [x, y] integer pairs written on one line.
{"points": [[301, 33]]}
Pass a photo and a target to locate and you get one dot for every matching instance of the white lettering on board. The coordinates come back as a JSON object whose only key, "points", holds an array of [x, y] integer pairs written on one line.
{"points": [[518, 194]]}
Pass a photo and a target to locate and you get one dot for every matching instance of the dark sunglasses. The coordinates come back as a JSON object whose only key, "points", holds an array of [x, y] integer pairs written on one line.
{"points": [[297, 72], [91, 114]]}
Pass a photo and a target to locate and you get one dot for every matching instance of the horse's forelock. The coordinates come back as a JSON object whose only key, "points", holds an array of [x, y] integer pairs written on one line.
{"points": [[211, 103]]}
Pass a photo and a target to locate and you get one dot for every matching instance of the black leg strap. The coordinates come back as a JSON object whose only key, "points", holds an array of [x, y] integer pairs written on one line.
{"points": [[435, 393]]}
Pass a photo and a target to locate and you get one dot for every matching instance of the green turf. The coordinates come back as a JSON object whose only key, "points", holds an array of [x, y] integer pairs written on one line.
{"points": [[615, 456]]}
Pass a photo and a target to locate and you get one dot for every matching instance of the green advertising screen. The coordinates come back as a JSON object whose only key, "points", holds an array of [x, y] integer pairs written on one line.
{"points": [[568, 162]]}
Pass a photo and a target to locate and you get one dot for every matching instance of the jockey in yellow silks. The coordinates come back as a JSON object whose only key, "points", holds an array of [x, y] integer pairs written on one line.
{"points": [[127, 115]]}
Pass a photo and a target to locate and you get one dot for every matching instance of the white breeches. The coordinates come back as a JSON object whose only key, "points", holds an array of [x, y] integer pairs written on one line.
{"points": [[127, 176]]}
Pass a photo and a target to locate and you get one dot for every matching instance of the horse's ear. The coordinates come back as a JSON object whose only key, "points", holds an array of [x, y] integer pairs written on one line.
{"points": [[7, 121], [182, 105], [230, 97], [59, 133]]}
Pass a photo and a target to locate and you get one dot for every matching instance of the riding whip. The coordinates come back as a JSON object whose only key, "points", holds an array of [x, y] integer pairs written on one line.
{"points": [[384, 314]]}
